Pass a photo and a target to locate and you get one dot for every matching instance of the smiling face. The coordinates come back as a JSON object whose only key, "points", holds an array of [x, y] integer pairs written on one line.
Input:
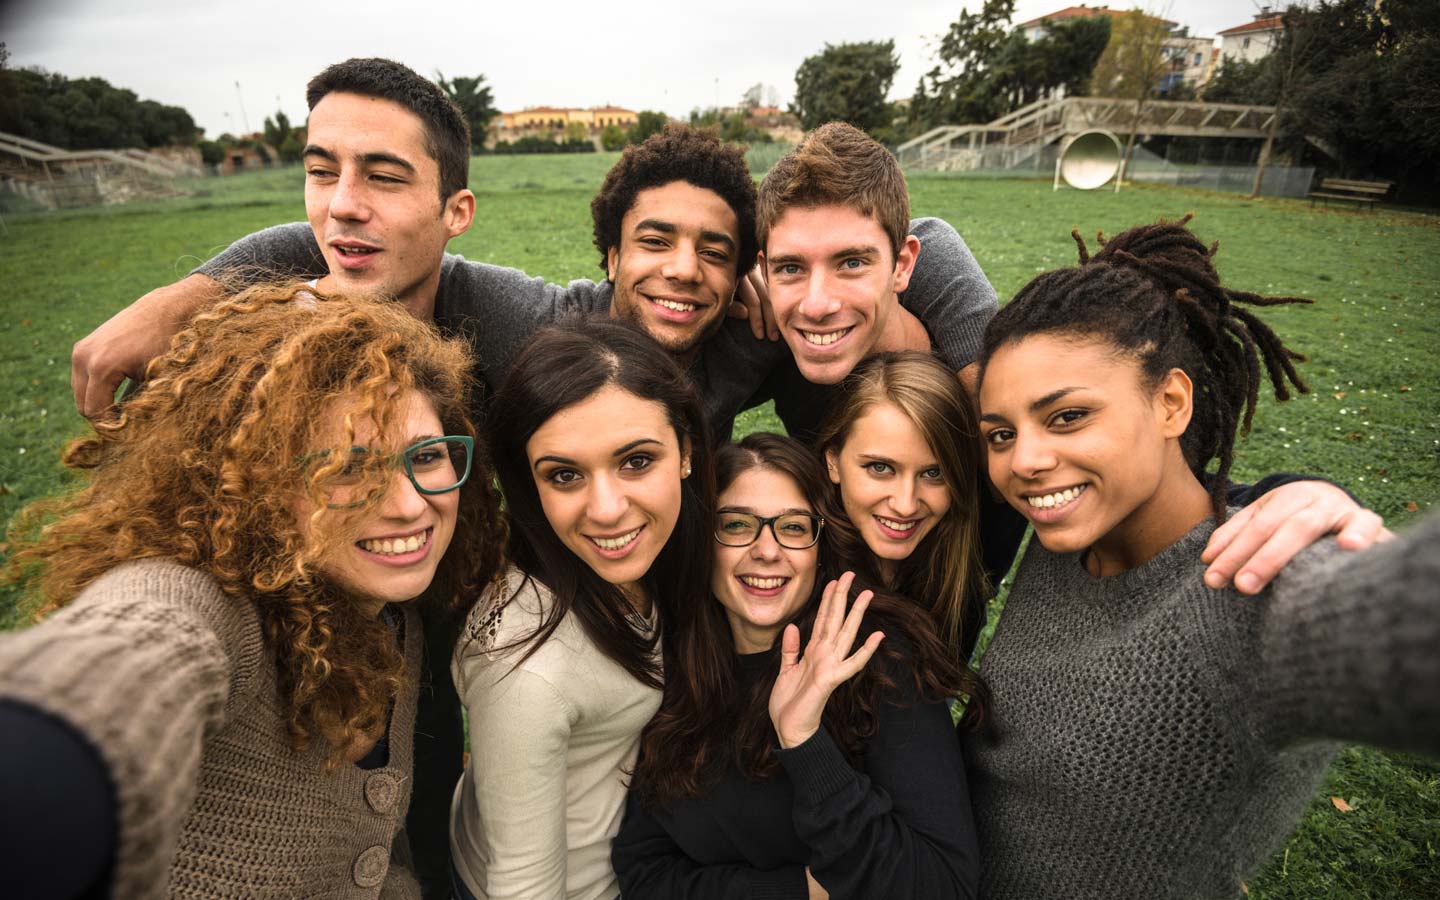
{"points": [[608, 471], [833, 282], [674, 271], [891, 482], [398, 540], [1080, 445], [372, 195], [762, 585]]}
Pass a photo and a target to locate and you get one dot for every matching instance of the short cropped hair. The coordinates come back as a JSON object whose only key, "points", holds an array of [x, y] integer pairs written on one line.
{"points": [[679, 153], [838, 165], [447, 133]]}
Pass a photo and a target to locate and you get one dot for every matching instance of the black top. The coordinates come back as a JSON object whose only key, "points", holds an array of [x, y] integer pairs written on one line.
{"points": [[896, 824]]}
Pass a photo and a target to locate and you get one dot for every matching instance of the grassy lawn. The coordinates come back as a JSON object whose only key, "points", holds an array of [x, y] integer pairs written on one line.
{"points": [[1372, 422]]}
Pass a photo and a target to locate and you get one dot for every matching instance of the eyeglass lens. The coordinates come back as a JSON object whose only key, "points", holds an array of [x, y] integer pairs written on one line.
{"points": [[795, 531]]}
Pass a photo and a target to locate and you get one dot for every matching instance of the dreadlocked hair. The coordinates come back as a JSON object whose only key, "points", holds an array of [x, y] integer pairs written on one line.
{"points": [[210, 463], [1153, 292]]}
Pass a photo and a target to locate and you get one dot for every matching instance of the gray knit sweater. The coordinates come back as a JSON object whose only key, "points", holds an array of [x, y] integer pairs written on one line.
{"points": [[1154, 738], [172, 683]]}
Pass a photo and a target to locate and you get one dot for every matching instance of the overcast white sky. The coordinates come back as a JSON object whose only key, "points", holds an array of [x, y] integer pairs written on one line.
{"points": [[666, 56]]}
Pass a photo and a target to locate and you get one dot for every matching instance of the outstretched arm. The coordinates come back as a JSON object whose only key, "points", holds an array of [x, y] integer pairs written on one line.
{"points": [[1348, 647], [139, 669]]}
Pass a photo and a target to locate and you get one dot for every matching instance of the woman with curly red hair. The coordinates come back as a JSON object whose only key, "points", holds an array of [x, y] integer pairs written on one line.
{"points": [[220, 697]]}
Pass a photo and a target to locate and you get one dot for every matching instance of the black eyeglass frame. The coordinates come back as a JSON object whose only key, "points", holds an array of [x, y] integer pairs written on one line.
{"points": [[762, 521]]}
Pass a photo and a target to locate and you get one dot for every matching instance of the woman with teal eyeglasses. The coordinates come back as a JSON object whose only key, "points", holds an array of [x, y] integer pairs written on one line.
{"points": [[219, 700]]}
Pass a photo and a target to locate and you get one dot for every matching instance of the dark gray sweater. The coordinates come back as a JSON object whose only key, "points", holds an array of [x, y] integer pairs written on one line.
{"points": [[1154, 738], [498, 309]]}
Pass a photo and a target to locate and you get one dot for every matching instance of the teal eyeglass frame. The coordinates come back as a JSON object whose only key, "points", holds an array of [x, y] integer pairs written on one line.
{"points": [[403, 457]]}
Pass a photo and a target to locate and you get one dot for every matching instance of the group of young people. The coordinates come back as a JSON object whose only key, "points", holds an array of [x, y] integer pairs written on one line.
{"points": [[343, 506]]}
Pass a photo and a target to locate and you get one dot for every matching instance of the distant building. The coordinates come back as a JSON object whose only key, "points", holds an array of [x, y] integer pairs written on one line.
{"points": [[1253, 40], [553, 120], [1188, 59], [1035, 29]]}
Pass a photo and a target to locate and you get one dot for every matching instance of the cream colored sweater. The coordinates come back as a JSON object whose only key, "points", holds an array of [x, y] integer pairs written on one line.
{"points": [[551, 743], [172, 682]]}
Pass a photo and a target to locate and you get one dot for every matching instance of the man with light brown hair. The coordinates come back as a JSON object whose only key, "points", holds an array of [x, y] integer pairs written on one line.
{"points": [[832, 221]]}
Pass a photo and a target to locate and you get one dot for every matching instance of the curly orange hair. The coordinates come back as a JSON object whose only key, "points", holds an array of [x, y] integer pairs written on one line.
{"points": [[205, 466]]}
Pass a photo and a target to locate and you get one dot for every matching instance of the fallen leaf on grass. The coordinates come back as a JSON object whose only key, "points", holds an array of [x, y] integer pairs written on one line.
{"points": [[1412, 506], [1355, 436], [1404, 388], [1340, 804], [1339, 395]]}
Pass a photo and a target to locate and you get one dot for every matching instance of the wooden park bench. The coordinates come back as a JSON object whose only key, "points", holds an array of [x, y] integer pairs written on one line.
{"points": [[1361, 193]]}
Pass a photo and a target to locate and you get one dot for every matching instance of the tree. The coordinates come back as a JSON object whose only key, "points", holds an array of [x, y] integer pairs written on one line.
{"points": [[87, 113], [647, 123], [959, 88], [576, 131], [846, 83], [277, 131], [612, 138], [1131, 67], [473, 97]]}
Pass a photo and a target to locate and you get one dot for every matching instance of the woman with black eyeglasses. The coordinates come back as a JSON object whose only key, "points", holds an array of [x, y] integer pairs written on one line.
{"points": [[768, 773]]}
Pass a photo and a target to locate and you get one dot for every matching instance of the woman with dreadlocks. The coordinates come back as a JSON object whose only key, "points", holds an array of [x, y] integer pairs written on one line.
{"points": [[221, 697], [1150, 736]]}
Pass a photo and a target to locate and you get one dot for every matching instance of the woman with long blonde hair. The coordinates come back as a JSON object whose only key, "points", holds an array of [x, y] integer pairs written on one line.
{"points": [[226, 648]]}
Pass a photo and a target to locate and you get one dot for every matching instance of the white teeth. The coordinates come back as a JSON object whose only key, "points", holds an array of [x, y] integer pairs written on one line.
{"points": [[354, 250], [896, 526], [677, 306], [1059, 498], [392, 547], [822, 340], [763, 584], [615, 543]]}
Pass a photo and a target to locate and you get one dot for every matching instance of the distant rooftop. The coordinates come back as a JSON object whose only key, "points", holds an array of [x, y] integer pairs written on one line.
{"points": [[1259, 23], [1083, 11]]}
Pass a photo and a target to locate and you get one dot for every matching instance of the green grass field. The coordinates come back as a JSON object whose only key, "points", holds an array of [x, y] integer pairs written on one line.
{"points": [[1372, 422]]}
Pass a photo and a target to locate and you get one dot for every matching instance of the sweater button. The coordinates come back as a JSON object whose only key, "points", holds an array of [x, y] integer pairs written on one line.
{"points": [[371, 866], [381, 791]]}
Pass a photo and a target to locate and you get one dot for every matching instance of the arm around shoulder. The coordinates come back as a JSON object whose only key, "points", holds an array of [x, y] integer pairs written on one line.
{"points": [[949, 292], [125, 343]]}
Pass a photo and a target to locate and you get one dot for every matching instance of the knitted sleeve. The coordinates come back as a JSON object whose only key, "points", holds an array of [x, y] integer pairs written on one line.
{"points": [[142, 664], [519, 732], [651, 866], [1348, 647], [286, 250], [902, 830], [949, 293]]}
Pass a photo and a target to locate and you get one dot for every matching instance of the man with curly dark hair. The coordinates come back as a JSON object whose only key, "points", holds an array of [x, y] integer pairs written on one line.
{"points": [[682, 173]]}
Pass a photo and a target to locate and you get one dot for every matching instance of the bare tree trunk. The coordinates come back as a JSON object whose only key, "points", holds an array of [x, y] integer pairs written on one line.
{"points": [[1265, 150], [1130, 141]]}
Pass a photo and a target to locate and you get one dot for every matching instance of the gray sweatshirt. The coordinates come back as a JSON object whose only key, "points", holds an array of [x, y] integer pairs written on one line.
{"points": [[1155, 738], [498, 309]]}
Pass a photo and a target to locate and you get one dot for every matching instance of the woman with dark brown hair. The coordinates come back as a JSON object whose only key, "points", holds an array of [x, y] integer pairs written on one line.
{"points": [[602, 453], [219, 700], [865, 795]]}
